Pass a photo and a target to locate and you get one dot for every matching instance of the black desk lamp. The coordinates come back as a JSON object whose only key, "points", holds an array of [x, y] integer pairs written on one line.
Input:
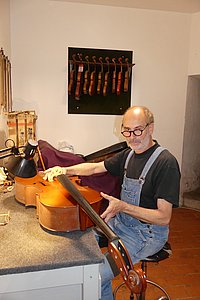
{"points": [[21, 164]]}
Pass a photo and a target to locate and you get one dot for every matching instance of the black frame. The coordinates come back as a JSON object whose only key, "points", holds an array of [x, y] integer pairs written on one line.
{"points": [[112, 103]]}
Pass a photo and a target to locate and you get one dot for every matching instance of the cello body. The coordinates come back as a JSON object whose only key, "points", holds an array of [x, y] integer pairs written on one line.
{"points": [[56, 208]]}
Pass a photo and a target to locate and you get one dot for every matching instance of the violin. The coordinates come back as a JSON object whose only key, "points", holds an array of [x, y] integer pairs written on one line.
{"points": [[79, 78], [126, 77], [114, 76], [72, 76], [56, 208], [119, 79], [106, 78], [100, 77], [71, 83], [92, 79], [86, 77]]}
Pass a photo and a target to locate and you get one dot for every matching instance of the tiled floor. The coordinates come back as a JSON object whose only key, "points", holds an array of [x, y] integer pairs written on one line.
{"points": [[179, 274]]}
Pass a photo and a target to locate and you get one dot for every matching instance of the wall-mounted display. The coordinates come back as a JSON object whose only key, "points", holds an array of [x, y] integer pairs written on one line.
{"points": [[99, 81], [5, 83]]}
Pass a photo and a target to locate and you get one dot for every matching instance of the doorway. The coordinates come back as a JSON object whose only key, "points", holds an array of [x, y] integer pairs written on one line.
{"points": [[190, 182]]}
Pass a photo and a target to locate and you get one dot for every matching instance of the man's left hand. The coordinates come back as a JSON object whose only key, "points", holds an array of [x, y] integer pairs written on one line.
{"points": [[114, 207]]}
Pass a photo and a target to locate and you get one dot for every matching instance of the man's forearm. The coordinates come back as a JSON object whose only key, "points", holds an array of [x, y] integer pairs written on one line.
{"points": [[84, 169], [159, 216]]}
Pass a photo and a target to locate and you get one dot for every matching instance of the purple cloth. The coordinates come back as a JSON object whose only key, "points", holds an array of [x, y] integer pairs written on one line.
{"points": [[103, 182], [53, 157]]}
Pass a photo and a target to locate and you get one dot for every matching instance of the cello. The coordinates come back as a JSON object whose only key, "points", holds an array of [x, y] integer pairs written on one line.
{"points": [[57, 205], [56, 209]]}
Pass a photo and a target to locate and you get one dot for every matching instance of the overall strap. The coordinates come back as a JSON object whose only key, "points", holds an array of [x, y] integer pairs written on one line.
{"points": [[150, 161], [127, 160]]}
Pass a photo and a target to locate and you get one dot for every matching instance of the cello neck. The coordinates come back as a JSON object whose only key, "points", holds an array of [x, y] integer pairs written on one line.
{"points": [[87, 207]]}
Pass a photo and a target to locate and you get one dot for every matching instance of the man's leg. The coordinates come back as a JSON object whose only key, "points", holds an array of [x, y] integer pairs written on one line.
{"points": [[106, 280]]}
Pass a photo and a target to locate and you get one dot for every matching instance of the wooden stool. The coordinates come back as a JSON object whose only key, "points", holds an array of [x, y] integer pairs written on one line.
{"points": [[164, 253]]}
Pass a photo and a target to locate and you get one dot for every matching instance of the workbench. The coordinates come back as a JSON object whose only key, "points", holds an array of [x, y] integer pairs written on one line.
{"points": [[38, 264]]}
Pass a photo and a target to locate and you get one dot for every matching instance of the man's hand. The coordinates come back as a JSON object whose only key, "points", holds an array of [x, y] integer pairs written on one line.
{"points": [[53, 172], [114, 207]]}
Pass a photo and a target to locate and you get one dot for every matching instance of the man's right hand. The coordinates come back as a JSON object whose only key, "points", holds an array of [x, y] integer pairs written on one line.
{"points": [[50, 173]]}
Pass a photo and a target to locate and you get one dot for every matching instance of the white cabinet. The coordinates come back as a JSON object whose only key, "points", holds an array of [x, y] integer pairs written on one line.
{"points": [[72, 283]]}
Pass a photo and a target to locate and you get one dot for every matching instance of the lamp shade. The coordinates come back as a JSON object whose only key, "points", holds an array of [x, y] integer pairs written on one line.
{"points": [[21, 167], [24, 165]]}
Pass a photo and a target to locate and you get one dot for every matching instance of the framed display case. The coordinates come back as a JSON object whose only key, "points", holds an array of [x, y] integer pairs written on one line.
{"points": [[99, 81]]}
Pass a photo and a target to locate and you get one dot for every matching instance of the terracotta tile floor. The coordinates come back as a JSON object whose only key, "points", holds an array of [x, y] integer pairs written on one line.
{"points": [[180, 273]]}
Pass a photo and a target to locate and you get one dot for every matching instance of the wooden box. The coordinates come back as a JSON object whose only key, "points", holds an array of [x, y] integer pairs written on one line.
{"points": [[21, 126]]}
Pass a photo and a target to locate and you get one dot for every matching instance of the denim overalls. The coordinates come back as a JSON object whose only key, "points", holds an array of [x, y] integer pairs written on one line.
{"points": [[140, 239]]}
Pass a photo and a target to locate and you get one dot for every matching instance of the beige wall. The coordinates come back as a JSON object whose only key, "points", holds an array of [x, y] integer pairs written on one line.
{"points": [[5, 26], [5, 44], [42, 30], [194, 57]]}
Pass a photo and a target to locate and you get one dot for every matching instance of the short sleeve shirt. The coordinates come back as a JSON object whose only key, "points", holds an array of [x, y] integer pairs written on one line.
{"points": [[162, 180]]}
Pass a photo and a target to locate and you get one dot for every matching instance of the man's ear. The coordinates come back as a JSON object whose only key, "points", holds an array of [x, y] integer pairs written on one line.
{"points": [[151, 128]]}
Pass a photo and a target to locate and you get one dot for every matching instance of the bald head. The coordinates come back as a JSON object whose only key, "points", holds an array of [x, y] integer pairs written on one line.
{"points": [[137, 128], [139, 112]]}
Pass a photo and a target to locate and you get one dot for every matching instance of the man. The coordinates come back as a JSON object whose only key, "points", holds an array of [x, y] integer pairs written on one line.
{"points": [[150, 179]]}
